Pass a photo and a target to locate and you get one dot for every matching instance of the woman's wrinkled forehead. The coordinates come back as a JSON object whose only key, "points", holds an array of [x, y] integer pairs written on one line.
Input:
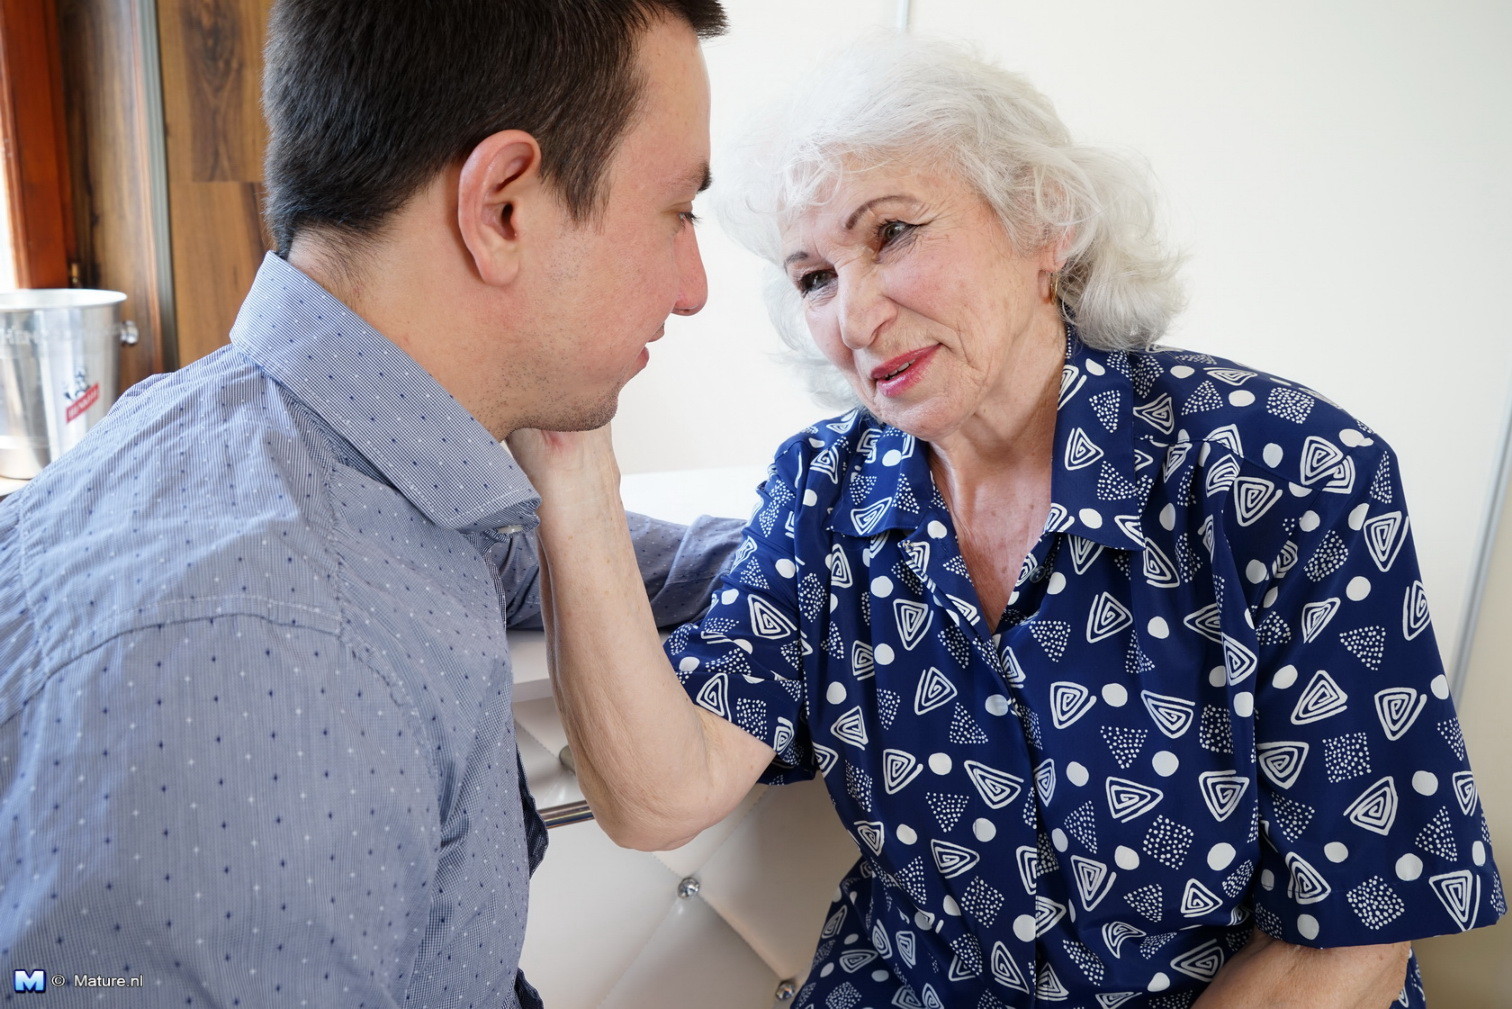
{"points": [[830, 195], [819, 180]]}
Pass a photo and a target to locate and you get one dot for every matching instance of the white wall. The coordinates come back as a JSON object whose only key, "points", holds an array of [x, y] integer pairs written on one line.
{"points": [[714, 396], [1475, 970], [1338, 172]]}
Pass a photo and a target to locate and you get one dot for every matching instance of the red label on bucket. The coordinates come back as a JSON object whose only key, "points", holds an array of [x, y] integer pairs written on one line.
{"points": [[86, 399]]}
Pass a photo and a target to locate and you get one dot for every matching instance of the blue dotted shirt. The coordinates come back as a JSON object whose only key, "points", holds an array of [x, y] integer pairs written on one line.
{"points": [[255, 734], [1213, 702]]}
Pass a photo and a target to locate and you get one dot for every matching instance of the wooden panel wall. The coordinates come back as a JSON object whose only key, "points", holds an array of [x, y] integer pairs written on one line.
{"points": [[212, 70], [109, 87]]}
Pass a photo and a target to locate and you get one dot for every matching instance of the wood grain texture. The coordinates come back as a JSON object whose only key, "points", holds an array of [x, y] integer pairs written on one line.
{"points": [[212, 72], [32, 122], [107, 91], [212, 79], [218, 243]]}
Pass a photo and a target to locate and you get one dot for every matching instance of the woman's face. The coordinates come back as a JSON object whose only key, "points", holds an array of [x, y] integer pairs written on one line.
{"points": [[912, 289]]}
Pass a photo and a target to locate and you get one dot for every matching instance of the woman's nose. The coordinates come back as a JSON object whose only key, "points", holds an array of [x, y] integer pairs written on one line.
{"points": [[864, 308]]}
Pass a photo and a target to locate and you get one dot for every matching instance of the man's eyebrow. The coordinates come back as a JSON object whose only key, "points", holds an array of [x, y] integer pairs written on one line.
{"points": [[699, 179]]}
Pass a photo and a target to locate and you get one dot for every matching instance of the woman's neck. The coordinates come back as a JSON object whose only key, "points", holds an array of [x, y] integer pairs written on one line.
{"points": [[1010, 438]]}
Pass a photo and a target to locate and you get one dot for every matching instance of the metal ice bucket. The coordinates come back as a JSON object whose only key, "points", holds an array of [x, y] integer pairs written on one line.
{"points": [[59, 368]]}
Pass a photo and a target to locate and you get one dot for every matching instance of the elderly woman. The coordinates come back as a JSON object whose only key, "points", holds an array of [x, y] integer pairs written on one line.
{"points": [[1115, 660]]}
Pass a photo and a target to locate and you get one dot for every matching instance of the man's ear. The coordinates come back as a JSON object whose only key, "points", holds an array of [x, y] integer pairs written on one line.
{"points": [[500, 197]]}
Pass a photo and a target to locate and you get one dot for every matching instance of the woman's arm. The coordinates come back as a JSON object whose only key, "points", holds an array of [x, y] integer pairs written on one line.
{"points": [[656, 768], [1271, 974]]}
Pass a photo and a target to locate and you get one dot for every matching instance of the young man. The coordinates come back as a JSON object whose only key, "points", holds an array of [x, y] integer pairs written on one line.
{"points": [[256, 745]]}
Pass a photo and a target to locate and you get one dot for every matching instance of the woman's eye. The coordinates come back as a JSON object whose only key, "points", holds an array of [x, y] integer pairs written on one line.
{"points": [[688, 217], [812, 281], [890, 231]]}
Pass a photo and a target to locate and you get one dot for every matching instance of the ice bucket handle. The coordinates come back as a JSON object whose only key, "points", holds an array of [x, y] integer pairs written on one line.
{"points": [[129, 333]]}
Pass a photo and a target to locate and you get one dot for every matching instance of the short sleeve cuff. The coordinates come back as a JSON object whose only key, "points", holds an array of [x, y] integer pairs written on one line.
{"points": [[1300, 905]]}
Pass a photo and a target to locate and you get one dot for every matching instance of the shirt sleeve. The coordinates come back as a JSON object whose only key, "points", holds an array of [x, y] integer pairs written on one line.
{"points": [[1371, 827], [744, 660], [679, 564], [240, 813]]}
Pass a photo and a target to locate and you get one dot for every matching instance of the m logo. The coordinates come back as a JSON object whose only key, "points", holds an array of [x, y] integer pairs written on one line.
{"points": [[30, 980]]}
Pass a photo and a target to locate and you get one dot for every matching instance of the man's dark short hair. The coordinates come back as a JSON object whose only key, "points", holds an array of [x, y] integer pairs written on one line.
{"points": [[367, 100]]}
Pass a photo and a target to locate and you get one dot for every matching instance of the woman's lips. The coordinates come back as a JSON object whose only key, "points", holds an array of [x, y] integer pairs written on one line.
{"points": [[903, 371]]}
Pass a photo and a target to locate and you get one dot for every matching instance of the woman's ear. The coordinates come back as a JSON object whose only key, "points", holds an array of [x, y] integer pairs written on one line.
{"points": [[499, 199], [1053, 255]]}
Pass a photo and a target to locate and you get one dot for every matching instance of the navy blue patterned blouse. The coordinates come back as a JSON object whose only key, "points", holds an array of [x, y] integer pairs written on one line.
{"points": [[1214, 700]]}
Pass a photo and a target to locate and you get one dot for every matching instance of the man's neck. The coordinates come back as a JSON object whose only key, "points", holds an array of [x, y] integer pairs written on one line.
{"points": [[407, 288]]}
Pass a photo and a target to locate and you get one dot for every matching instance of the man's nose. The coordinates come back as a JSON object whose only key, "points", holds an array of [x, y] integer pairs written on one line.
{"points": [[693, 282]]}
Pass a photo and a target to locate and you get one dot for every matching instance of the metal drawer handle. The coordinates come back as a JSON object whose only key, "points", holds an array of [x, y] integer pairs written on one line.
{"points": [[567, 812]]}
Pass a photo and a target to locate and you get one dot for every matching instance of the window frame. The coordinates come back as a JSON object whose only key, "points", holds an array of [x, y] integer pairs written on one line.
{"points": [[33, 132]]}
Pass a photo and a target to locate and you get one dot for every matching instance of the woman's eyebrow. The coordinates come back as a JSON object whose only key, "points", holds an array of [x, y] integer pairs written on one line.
{"points": [[850, 222]]}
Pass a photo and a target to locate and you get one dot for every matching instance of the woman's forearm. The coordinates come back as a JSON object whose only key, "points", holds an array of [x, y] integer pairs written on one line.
{"points": [[1271, 974], [655, 768]]}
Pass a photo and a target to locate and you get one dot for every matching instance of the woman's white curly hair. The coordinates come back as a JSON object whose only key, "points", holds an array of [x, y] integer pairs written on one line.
{"points": [[893, 98]]}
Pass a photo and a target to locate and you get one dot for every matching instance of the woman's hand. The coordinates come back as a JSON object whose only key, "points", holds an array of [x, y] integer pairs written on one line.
{"points": [[1271, 974], [572, 470]]}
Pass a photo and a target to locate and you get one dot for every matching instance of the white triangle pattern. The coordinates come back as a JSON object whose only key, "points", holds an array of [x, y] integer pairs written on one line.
{"points": [[1222, 791], [1375, 809], [1281, 761], [1398, 708]]}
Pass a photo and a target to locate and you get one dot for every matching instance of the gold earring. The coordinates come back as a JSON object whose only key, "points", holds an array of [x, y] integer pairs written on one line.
{"points": [[1055, 286]]}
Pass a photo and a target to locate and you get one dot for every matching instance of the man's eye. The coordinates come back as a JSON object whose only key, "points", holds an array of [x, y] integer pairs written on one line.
{"points": [[813, 280], [688, 217]]}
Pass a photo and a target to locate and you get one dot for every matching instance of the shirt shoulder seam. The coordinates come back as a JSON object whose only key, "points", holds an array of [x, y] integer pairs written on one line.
{"points": [[43, 674]]}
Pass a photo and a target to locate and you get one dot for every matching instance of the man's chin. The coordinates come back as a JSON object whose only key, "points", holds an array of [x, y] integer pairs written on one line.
{"points": [[577, 416]]}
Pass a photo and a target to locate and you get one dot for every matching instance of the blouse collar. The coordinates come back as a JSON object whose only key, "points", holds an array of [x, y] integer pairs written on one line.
{"points": [[1097, 487]]}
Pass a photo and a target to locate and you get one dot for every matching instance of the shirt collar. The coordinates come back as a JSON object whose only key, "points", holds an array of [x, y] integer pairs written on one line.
{"points": [[1097, 487], [382, 402]]}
